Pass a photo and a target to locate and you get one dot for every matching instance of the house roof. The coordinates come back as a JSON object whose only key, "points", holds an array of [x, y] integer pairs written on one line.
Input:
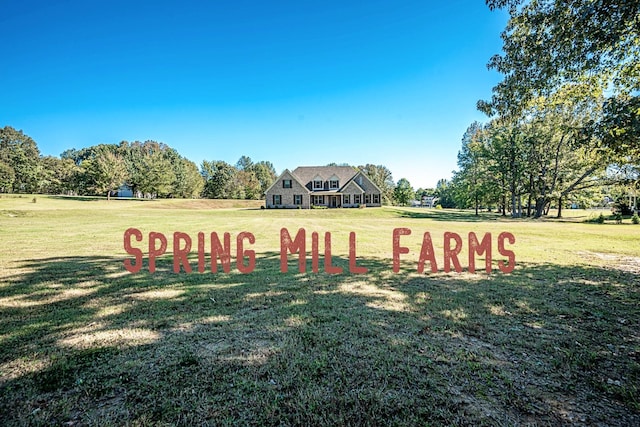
{"points": [[308, 173], [286, 171]]}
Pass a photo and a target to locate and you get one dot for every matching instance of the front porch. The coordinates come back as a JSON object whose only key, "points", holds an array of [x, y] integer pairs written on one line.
{"points": [[333, 199], [329, 199]]}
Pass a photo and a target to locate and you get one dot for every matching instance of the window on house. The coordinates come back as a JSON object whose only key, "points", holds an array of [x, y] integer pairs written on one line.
{"points": [[317, 185], [318, 200], [367, 198], [376, 198], [297, 199], [333, 184], [286, 183], [356, 198], [347, 198], [277, 199]]}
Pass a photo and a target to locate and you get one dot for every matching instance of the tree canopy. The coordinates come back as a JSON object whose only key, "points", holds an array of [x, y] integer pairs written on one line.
{"points": [[550, 42]]}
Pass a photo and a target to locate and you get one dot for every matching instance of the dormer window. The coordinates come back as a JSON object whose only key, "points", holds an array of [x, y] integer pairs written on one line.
{"points": [[286, 183], [334, 184], [317, 184]]}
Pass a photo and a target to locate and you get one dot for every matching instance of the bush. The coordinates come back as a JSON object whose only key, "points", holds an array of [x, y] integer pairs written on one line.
{"points": [[635, 219], [438, 206], [600, 219]]}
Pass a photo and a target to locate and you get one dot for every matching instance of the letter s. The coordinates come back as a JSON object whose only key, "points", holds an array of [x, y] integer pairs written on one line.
{"points": [[132, 268], [511, 256]]}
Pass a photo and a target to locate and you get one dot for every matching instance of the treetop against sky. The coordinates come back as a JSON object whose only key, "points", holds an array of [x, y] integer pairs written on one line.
{"points": [[297, 83]]}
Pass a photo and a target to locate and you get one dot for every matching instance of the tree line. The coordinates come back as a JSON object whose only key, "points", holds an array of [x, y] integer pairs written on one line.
{"points": [[564, 123], [149, 169]]}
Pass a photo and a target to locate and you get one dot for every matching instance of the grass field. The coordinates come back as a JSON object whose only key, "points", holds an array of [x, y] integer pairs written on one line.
{"points": [[85, 342]]}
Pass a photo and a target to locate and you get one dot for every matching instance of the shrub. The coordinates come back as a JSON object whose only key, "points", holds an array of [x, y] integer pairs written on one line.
{"points": [[600, 219], [635, 219], [438, 206]]}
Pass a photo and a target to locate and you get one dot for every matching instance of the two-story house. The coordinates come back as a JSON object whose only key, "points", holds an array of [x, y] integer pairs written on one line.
{"points": [[330, 186]]}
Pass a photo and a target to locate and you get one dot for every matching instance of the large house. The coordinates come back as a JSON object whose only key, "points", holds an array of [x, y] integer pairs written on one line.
{"points": [[329, 186]]}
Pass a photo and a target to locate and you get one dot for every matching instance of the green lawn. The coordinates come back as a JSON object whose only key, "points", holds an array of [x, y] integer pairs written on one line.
{"points": [[85, 342]]}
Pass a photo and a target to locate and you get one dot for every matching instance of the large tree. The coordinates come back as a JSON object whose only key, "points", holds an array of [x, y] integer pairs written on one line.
{"points": [[473, 168], [21, 157], [7, 177], [265, 173], [549, 43], [403, 193], [381, 177], [219, 179], [106, 170], [57, 175]]}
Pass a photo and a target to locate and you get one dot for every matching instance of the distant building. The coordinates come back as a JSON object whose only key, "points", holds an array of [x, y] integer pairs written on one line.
{"points": [[429, 201]]}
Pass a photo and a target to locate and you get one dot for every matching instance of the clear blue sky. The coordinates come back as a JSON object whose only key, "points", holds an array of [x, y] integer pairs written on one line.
{"points": [[293, 82]]}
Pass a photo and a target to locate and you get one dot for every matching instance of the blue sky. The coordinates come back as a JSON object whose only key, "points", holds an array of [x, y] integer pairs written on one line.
{"points": [[292, 82]]}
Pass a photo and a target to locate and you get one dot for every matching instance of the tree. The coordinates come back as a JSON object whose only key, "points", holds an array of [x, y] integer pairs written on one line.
{"points": [[247, 185], [473, 169], [507, 162], [244, 163], [445, 192], [158, 176], [550, 43], [57, 175], [106, 170], [219, 179], [188, 181], [381, 176], [20, 153], [7, 177], [403, 193], [265, 173]]}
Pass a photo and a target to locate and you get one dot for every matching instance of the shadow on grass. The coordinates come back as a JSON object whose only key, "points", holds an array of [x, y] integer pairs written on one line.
{"points": [[448, 215], [97, 198], [84, 341]]}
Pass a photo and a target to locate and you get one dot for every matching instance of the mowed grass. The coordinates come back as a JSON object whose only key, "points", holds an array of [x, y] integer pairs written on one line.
{"points": [[85, 342]]}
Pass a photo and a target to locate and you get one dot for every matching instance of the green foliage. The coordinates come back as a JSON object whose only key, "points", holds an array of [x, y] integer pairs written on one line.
{"points": [[21, 159], [188, 181], [7, 177], [552, 44], [635, 219], [106, 171], [445, 191], [549, 42], [381, 176], [218, 176], [403, 193], [247, 180], [58, 175]]}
